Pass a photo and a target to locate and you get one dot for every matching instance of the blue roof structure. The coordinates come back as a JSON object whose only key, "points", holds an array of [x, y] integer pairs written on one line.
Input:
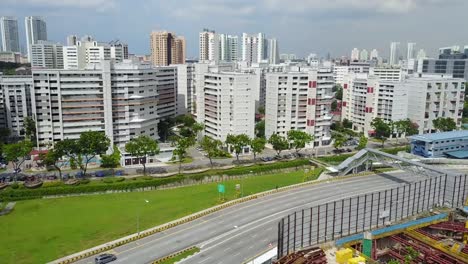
{"points": [[441, 136], [459, 154]]}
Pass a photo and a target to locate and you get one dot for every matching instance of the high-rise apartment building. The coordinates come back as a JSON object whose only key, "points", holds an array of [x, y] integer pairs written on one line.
{"points": [[72, 40], [210, 46], [46, 54], [228, 46], [254, 48], [185, 88], [166, 48], [421, 54], [15, 102], [364, 55], [9, 34], [457, 68], [300, 100], [88, 51], [273, 51], [36, 29], [374, 55], [394, 53], [119, 99], [411, 51], [228, 104], [422, 99], [355, 54]]}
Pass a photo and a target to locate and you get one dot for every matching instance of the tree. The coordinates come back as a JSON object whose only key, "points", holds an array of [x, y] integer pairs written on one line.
{"points": [[4, 134], [164, 127], [260, 129], [339, 93], [29, 126], [181, 145], [91, 144], [337, 126], [338, 140], [362, 142], [17, 153], [141, 147], [112, 160], [261, 110], [279, 143], [53, 157], [444, 124], [299, 139], [334, 105], [238, 142], [347, 123], [189, 126], [405, 127], [382, 129], [211, 147], [81, 151], [257, 145]]}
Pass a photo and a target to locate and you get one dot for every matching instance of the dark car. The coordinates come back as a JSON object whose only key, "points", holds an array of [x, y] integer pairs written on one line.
{"points": [[105, 258]]}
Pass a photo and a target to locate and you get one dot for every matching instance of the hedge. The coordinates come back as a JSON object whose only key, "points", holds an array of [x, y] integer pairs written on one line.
{"points": [[129, 185]]}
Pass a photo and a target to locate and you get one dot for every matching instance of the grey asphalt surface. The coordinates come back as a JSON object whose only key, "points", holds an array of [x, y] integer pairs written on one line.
{"points": [[240, 232]]}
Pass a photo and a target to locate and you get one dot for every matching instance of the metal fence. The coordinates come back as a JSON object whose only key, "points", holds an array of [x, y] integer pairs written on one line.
{"points": [[353, 215]]}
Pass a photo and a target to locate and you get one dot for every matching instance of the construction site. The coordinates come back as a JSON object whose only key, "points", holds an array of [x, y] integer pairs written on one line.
{"points": [[422, 221], [437, 239]]}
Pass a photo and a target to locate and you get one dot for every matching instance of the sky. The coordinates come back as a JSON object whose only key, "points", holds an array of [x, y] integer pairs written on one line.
{"points": [[301, 26]]}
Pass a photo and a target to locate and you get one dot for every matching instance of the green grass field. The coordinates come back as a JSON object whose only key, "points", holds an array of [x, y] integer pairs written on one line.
{"points": [[42, 230]]}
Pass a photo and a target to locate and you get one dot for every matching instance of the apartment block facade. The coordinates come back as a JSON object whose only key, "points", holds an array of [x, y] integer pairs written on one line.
{"points": [[15, 102], [300, 100], [422, 99], [166, 48], [47, 55], [185, 88], [120, 100], [228, 104]]}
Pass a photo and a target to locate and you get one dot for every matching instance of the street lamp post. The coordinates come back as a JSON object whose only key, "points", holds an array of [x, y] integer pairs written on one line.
{"points": [[138, 219]]}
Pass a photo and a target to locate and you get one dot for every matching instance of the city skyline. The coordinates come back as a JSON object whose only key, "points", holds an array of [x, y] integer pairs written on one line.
{"points": [[331, 21]]}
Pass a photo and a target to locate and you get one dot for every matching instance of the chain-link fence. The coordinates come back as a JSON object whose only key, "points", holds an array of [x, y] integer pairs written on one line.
{"points": [[353, 215]]}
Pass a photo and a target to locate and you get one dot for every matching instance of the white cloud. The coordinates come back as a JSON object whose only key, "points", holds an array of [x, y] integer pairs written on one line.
{"points": [[383, 6], [98, 5], [198, 8]]}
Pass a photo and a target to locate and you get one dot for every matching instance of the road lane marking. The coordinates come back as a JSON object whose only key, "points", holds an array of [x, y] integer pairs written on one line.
{"points": [[268, 199], [204, 260]]}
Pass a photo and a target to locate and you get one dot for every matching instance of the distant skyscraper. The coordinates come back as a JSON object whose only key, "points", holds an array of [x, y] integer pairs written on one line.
{"points": [[364, 55], [36, 29], [228, 47], [394, 53], [374, 54], [355, 54], [421, 54], [71, 40], [411, 51], [208, 45], [254, 47], [273, 52], [166, 48], [9, 34]]}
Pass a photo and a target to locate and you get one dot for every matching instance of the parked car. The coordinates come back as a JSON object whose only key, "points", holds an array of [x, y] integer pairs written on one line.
{"points": [[105, 258]]}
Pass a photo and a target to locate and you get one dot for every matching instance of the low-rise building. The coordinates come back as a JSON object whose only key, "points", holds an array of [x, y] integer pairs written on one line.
{"points": [[453, 144]]}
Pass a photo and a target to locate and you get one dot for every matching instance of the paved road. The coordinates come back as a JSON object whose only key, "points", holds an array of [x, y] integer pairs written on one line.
{"points": [[240, 232]]}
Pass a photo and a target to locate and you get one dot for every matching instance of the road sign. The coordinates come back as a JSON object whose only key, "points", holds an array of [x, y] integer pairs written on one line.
{"points": [[221, 188]]}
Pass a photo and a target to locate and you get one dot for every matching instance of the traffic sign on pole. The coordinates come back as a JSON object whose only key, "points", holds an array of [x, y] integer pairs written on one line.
{"points": [[221, 188]]}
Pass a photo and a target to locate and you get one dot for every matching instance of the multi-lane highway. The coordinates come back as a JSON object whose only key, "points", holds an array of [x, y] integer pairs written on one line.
{"points": [[237, 233]]}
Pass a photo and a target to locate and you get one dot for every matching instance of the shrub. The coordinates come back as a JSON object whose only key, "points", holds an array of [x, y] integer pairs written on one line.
{"points": [[120, 179], [85, 181], [14, 185], [108, 180], [335, 159], [52, 184]]}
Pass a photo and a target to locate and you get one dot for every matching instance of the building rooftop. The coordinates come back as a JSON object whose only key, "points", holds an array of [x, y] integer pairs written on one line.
{"points": [[440, 136]]}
